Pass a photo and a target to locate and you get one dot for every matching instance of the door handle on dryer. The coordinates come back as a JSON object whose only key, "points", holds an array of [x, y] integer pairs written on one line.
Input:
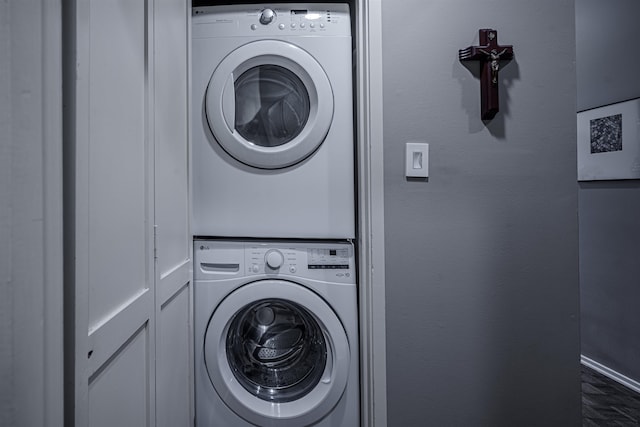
{"points": [[229, 103], [326, 376]]}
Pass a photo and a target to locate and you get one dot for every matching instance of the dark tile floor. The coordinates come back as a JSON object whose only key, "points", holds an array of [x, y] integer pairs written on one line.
{"points": [[607, 403]]}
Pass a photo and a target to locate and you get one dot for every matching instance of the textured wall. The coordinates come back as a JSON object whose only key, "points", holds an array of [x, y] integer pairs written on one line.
{"points": [[606, 61], [6, 286], [482, 260], [609, 210], [609, 274]]}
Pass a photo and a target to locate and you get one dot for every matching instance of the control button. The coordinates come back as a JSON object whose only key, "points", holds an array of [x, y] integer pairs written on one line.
{"points": [[312, 25], [321, 25], [274, 259], [293, 25], [255, 268], [281, 26], [254, 27], [267, 16], [292, 269], [302, 25]]}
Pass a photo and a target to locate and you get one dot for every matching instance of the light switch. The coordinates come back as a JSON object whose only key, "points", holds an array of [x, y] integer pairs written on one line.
{"points": [[417, 160]]}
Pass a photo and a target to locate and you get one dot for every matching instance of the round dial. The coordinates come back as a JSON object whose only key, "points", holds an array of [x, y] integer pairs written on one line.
{"points": [[274, 259], [267, 16]]}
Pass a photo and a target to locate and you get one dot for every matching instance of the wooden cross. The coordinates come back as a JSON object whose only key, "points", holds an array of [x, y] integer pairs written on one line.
{"points": [[489, 53]]}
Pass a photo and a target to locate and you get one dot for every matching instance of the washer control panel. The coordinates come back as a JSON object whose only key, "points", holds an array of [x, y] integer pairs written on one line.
{"points": [[271, 19], [328, 258], [325, 261]]}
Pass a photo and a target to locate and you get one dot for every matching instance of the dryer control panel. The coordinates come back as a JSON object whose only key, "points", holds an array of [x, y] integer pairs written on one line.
{"points": [[271, 19], [326, 261]]}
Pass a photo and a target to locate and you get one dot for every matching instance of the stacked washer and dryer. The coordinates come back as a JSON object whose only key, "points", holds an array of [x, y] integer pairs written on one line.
{"points": [[276, 332]]}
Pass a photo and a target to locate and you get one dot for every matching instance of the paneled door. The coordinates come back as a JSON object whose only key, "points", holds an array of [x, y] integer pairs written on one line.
{"points": [[130, 266], [171, 210]]}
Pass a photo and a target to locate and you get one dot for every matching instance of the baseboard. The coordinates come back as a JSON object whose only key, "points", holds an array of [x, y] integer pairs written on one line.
{"points": [[610, 373]]}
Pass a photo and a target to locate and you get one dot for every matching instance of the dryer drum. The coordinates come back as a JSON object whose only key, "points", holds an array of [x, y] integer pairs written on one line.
{"points": [[276, 350], [272, 105]]}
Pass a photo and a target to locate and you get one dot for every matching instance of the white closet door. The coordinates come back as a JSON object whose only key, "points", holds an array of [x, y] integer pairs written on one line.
{"points": [[114, 281], [173, 276], [131, 271]]}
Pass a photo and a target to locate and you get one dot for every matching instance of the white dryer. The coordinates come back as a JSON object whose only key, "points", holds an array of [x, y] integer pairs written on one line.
{"points": [[276, 335], [272, 140]]}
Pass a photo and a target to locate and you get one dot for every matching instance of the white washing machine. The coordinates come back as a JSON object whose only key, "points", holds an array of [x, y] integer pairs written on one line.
{"points": [[273, 144], [276, 335]]}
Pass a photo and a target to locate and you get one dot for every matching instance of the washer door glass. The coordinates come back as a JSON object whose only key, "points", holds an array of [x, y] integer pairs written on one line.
{"points": [[272, 105], [276, 350]]}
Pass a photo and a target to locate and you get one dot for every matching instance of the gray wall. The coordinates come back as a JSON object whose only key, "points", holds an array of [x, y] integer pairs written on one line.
{"points": [[607, 36], [609, 210], [482, 260], [7, 404], [609, 274]]}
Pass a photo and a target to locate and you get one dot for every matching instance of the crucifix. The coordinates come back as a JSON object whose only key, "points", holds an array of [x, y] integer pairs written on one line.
{"points": [[489, 53]]}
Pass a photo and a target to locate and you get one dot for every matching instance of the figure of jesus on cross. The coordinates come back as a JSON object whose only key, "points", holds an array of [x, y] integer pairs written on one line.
{"points": [[489, 53]]}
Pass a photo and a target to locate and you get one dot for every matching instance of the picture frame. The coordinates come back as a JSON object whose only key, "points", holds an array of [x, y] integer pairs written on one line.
{"points": [[609, 142]]}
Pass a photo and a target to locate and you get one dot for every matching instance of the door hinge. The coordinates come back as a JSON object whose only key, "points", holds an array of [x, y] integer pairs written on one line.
{"points": [[155, 241]]}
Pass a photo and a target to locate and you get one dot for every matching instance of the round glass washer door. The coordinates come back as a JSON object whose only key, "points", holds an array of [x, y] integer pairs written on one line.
{"points": [[277, 354], [269, 104]]}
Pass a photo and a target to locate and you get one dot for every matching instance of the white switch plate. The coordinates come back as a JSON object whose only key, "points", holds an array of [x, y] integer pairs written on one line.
{"points": [[417, 160]]}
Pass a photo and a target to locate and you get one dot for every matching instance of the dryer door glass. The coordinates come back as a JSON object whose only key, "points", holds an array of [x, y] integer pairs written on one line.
{"points": [[269, 104], [272, 105], [276, 350]]}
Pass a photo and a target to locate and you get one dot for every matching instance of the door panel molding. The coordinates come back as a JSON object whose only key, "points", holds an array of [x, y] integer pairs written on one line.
{"points": [[173, 281], [107, 339], [371, 214]]}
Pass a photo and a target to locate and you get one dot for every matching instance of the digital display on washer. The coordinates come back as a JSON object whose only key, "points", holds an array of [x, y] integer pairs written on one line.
{"points": [[299, 11], [328, 259]]}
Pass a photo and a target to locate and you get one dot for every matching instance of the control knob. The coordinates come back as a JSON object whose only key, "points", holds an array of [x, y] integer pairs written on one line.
{"points": [[274, 259], [267, 16]]}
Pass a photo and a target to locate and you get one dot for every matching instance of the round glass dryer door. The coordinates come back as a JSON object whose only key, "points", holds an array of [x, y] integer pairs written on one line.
{"points": [[272, 105], [269, 104], [277, 353]]}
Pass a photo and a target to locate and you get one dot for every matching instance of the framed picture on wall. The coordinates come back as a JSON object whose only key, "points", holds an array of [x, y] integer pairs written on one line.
{"points": [[609, 142]]}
